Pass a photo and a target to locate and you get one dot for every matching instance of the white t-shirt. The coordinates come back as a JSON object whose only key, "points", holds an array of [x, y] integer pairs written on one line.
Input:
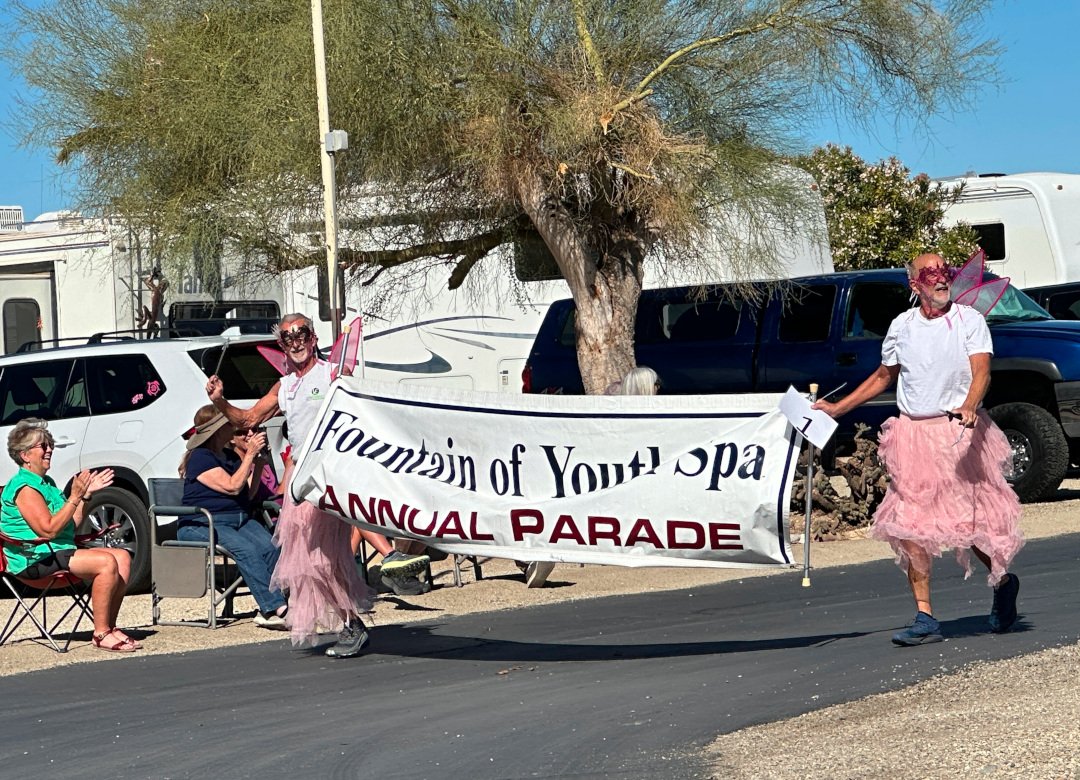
{"points": [[300, 397], [935, 373]]}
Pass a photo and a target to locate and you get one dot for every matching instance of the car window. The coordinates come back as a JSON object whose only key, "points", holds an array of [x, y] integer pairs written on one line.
{"points": [[121, 383], [1064, 306], [700, 321], [243, 371], [872, 308], [807, 314], [38, 389]]}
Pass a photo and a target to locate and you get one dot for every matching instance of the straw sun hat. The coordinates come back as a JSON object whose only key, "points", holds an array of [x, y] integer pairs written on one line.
{"points": [[198, 435]]}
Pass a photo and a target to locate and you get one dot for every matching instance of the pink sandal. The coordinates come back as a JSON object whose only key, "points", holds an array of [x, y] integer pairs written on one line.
{"points": [[117, 645], [135, 642]]}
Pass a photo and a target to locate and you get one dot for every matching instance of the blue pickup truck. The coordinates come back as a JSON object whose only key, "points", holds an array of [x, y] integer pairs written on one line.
{"points": [[829, 330]]}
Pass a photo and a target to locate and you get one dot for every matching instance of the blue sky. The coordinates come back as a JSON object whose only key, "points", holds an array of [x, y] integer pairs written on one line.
{"points": [[1027, 123]]}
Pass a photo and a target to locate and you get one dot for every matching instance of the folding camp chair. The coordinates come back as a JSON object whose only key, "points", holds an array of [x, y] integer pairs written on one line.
{"points": [[189, 570], [61, 583]]}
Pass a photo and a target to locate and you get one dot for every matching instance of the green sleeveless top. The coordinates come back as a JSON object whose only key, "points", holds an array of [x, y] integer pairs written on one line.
{"points": [[13, 524]]}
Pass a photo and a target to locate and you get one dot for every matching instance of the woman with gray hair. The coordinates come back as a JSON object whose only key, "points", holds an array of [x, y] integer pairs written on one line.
{"points": [[640, 381], [34, 513]]}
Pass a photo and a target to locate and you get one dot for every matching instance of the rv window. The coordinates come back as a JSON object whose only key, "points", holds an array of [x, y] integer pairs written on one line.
{"points": [[533, 261], [22, 323], [991, 237], [121, 383], [37, 389], [873, 307], [243, 371], [806, 316]]}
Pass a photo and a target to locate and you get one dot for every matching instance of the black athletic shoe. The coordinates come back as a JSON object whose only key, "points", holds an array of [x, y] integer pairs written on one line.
{"points": [[922, 631], [407, 586], [351, 641], [398, 564], [1003, 614]]}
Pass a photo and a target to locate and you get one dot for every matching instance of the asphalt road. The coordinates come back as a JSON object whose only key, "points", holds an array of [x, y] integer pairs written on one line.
{"points": [[630, 686]]}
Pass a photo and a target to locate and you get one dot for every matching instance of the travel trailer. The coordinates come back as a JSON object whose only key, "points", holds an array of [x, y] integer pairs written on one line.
{"points": [[63, 276], [1028, 224]]}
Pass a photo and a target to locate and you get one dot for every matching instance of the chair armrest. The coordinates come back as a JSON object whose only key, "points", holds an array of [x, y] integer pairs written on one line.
{"points": [[179, 511]]}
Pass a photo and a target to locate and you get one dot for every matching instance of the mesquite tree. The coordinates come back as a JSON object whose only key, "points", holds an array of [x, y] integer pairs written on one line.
{"points": [[621, 132]]}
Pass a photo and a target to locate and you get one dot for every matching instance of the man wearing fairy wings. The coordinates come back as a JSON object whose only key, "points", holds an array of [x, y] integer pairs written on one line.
{"points": [[316, 567], [946, 458]]}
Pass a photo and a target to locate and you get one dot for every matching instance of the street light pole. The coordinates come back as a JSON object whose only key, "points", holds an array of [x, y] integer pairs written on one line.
{"points": [[327, 164]]}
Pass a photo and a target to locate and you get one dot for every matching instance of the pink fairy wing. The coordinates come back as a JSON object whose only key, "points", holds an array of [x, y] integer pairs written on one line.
{"points": [[984, 297], [345, 350], [274, 357], [969, 276]]}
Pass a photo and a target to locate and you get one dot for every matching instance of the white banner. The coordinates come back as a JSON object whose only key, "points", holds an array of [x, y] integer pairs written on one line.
{"points": [[624, 480]]}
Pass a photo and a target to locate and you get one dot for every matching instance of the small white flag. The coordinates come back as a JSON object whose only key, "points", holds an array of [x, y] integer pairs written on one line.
{"points": [[814, 424]]}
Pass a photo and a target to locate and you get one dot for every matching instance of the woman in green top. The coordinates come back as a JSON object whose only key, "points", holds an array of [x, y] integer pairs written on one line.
{"points": [[33, 508]]}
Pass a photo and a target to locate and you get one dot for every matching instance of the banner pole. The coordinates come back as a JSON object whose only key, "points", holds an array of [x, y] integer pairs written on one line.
{"points": [[809, 498]]}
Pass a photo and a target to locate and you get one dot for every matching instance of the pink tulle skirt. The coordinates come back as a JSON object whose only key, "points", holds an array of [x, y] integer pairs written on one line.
{"points": [[317, 571], [945, 493]]}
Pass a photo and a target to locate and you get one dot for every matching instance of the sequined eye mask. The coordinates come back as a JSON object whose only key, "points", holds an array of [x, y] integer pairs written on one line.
{"points": [[932, 275]]}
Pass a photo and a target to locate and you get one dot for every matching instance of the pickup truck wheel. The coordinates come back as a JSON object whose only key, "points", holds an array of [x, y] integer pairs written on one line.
{"points": [[116, 506], [1039, 447]]}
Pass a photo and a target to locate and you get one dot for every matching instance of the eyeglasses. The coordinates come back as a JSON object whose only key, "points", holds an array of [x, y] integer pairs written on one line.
{"points": [[45, 447], [299, 335], [934, 274]]}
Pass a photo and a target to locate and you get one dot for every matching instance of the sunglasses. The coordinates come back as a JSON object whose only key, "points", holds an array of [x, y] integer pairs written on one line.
{"points": [[45, 447], [935, 274], [299, 335]]}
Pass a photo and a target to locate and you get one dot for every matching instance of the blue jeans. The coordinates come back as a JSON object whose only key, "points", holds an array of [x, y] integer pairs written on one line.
{"points": [[248, 541]]}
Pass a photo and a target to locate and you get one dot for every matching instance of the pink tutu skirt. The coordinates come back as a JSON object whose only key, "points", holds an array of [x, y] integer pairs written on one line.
{"points": [[317, 571], [945, 493]]}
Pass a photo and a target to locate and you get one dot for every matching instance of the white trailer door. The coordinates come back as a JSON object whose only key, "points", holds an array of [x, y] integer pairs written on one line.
{"points": [[26, 308]]}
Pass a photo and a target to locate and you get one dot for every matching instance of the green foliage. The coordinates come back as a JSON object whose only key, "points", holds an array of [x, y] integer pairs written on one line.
{"points": [[622, 132], [879, 216]]}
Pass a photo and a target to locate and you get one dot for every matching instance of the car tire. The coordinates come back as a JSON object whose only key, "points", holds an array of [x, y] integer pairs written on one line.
{"points": [[1040, 449], [119, 507]]}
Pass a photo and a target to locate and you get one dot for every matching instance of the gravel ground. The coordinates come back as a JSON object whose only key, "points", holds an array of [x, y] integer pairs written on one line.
{"points": [[1027, 710]]}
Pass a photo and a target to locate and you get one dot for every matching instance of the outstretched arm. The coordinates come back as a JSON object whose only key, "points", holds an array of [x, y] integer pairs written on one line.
{"points": [[873, 386], [265, 408]]}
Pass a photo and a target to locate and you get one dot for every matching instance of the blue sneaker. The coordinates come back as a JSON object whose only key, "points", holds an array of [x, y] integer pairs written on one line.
{"points": [[1003, 614], [923, 631]]}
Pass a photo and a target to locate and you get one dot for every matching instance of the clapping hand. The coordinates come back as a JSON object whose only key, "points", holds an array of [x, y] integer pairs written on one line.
{"points": [[98, 481]]}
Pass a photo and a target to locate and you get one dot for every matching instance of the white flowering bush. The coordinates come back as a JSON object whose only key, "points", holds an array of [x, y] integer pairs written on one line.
{"points": [[880, 216]]}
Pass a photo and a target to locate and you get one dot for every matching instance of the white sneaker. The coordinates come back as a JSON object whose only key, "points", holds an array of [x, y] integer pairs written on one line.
{"points": [[536, 573], [272, 623]]}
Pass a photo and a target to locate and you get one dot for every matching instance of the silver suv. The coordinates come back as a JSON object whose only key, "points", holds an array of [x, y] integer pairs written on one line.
{"points": [[124, 404]]}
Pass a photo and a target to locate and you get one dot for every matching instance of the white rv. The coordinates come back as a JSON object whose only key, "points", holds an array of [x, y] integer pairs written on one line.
{"points": [[417, 331], [1028, 224], [63, 276]]}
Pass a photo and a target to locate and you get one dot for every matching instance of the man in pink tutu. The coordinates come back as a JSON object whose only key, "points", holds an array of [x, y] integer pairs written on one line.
{"points": [[316, 567], [947, 460]]}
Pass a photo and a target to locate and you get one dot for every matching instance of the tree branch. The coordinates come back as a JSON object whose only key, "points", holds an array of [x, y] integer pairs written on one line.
{"points": [[591, 55], [471, 250], [771, 22]]}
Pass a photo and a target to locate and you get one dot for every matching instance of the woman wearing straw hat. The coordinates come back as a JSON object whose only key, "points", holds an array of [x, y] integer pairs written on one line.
{"points": [[224, 484]]}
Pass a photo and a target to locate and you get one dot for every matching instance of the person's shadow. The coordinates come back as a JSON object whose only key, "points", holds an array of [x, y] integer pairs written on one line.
{"points": [[975, 625], [421, 641]]}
